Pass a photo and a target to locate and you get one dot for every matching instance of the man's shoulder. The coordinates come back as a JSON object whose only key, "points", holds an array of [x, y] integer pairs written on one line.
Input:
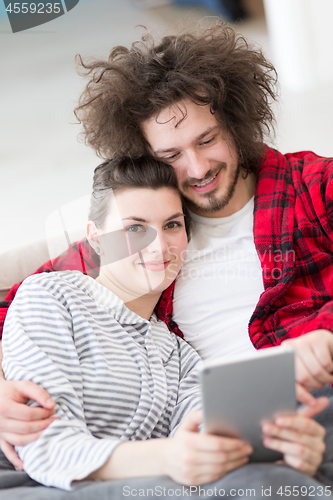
{"points": [[272, 158]]}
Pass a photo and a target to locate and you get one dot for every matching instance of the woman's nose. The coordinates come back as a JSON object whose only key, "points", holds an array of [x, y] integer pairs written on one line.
{"points": [[159, 245]]}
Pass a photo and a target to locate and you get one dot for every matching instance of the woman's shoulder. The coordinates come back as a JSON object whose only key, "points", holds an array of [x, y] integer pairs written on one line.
{"points": [[50, 278], [58, 284]]}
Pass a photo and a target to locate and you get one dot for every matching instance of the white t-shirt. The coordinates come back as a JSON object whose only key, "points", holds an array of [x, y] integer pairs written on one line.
{"points": [[219, 285]]}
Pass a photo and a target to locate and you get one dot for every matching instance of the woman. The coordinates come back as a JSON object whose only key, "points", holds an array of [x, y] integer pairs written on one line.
{"points": [[117, 375]]}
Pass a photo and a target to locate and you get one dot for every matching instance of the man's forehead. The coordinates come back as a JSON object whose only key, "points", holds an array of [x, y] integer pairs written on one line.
{"points": [[184, 117], [173, 114]]}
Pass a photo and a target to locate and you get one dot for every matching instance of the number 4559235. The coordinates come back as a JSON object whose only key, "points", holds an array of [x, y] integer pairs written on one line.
{"points": [[302, 491], [34, 8]]}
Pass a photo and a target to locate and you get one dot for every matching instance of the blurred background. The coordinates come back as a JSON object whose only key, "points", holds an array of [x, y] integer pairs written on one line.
{"points": [[42, 164]]}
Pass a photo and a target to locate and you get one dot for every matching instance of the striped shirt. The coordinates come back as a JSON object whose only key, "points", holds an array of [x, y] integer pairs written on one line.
{"points": [[113, 375]]}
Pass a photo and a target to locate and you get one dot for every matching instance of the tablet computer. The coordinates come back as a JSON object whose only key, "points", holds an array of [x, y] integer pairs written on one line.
{"points": [[239, 393]]}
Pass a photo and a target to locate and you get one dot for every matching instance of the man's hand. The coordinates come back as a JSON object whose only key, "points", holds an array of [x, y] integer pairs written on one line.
{"points": [[193, 458], [313, 358], [299, 438], [20, 424]]}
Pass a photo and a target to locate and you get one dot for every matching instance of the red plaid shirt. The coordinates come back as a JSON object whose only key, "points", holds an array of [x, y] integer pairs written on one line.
{"points": [[293, 235]]}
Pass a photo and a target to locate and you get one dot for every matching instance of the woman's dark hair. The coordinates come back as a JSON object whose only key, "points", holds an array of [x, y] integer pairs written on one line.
{"points": [[214, 67], [143, 172]]}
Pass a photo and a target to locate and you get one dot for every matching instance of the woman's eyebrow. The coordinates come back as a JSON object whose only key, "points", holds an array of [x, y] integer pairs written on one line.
{"points": [[175, 216], [138, 219]]}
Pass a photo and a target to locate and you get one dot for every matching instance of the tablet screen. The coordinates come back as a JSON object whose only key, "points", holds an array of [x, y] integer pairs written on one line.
{"points": [[239, 393]]}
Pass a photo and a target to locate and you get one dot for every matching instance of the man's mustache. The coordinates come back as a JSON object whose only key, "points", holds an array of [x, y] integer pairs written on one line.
{"points": [[191, 181]]}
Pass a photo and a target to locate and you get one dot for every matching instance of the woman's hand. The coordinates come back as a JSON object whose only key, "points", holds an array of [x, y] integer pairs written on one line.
{"points": [[192, 458], [189, 458], [21, 424], [299, 438]]}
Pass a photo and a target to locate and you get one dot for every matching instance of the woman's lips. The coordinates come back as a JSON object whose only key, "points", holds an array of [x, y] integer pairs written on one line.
{"points": [[155, 266], [207, 185]]}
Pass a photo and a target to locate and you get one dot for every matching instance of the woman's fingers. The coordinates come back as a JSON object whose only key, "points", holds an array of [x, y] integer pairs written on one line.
{"points": [[222, 457], [294, 428], [299, 439], [195, 458], [209, 474]]}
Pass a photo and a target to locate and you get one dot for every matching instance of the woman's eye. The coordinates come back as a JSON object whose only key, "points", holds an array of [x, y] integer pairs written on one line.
{"points": [[135, 228], [172, 225]]}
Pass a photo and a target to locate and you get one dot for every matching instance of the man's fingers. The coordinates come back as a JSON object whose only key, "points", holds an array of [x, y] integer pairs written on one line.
{"points": [[313, 358], [9, 451], [303, 374], [324, 350], [21, 427], [21, 439], [304, 396], [314, 408], [19, 411], [32, 391]]}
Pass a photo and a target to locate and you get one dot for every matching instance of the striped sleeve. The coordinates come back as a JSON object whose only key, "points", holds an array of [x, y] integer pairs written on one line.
{"points": [[38, 345], [189, 396]]}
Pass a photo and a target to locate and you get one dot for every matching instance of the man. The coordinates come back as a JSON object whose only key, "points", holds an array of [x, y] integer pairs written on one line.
{"points": [[202, 104]]}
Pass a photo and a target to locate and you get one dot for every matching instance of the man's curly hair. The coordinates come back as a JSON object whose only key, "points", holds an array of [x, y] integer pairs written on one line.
{"points": [[214, 67]]}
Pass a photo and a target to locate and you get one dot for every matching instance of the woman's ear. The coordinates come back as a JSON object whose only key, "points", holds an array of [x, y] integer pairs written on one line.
{"points": [[93, 237]]}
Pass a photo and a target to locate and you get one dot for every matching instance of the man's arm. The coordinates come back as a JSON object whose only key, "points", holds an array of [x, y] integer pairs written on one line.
{"points": [[20, 424]]}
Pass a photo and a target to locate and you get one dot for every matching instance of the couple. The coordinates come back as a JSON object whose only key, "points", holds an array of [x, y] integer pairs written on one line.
{"points": [[118, 377], [201, 102]]}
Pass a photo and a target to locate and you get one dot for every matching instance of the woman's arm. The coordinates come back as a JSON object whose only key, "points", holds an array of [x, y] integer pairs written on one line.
{"points": [[189, 458], [38, 346]]}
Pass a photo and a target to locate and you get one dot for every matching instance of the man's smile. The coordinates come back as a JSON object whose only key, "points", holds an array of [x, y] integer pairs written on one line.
{"points": [[207, 185]]}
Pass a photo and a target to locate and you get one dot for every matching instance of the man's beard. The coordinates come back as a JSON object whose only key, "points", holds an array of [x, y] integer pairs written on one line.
{"points": [[212, 204]]}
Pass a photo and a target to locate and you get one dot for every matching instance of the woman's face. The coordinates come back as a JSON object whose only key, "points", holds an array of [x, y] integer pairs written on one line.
{"points": [[139, 217]]}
